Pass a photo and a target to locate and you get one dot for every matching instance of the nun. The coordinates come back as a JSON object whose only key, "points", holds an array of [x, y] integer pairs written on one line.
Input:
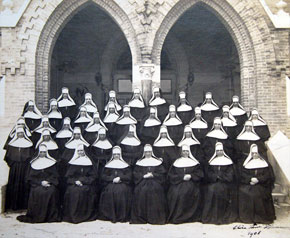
{"points": [[64, 135], [66, 104], [54, 115], [184, 110], [116, 195], [131, 146], [260, 125], [150, 127], [31, 115], [164, 147], [217, 134], [43, 203], [229, 123], [91, 131], [113, 99], [245, 139], [209, 109], [50, 144], [83, 118], [255, 190], [220, 205], [137, 105], [184, 195], [237, 110], [198, 125], [18, 155], [149, 200], [80, 198], [89, 104], [174, 124], [160, 103], [101, 149], [194, 145], [110, 119]]}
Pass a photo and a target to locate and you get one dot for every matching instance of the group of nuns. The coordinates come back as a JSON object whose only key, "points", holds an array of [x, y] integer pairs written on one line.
{"points": [[153, 164]]}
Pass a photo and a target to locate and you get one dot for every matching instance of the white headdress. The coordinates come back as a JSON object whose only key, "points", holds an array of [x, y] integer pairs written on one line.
{"points": [[259, 121], [68, 102], [117, 163], [172, 121], [229, 121], [24, 142], [196, 123], [111, 117], [41, 127], [183, 107], [82, 160], [155, 101], [20, 123], [220, 134], [151, 161], [89, 103], [65, 132], [220, 160], [126, 120], [251, 135], [152, 121], [251, 163], [137, 102], [188, 141], [83, 119], [73, 143], [112, 99], [51, 145], [39, 163], [134, 140], [94, 126], [102, 144], [35, 114], [212, 106], [54, 113], [237, 110], [182, 162], [163, 142]]}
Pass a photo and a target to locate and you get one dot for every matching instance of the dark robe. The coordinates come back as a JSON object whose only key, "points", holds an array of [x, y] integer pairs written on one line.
{"points": [[100, 157], [61, 143], [186, 116], [148, 134], [69, 111], [209, 116], [220, 201], [131, 153], [43, 203], [116, 198], [232, 131], [138, 113], [56, 123], [32, 123], [263, 132], [111, 132], [17, 191], [175, 133], [200, 134], [255, 201], [241, 120], [90, 137], [80, 202], [184, 197], [149, 201], [167, 153]]}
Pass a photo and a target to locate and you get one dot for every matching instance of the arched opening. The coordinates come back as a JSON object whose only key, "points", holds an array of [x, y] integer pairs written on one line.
{"points": [[203, 58], [80, 55]]}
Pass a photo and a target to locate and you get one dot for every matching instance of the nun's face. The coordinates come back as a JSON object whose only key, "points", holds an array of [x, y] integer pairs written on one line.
{"points": [[82, 113], [112, 99], [96, 120], [111, 110], [217, 126], [157, 94], [54, 107], [126, 114], [187, 134], [45, 124], [46, 138], [219, 152], [185, 153], [182, 100], [147, 154], [255, 155], [172, 114], [255, 116], [30, 108], [88, 100], [163, 135], [208, 100], [20, 134], [116, 156], [77, 136], [81, 152], [136, 95], [197, 115], [65, 96], [66, 126], [152, 115], [130, 134], [226, 114], [102, 136], [248, 128], [42, 154], [235, 104]]}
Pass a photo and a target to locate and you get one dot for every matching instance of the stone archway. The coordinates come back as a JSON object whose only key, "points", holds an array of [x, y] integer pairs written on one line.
{"points": [[58, 19]]}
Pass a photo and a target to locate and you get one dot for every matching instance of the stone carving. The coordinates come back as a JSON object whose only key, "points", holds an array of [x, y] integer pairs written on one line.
{"points": [[146, 71]]}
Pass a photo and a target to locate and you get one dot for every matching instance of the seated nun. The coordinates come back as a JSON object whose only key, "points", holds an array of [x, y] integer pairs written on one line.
{"points": [[209, 109], [83, 119], [116, 195], [184, 110], [164, 147], [217, 134], [89, 104], [123, 123], [64, 135], [184, 195], [66, 104], [131, 146], [160, 103], [174, 124], [237, 110], [256, 184], [260, 125], [43, 203], [113, 99], [80, 198], [101, 149], [44, 125], [220, 206], [110, 119], [19, 123], [149, 200], [50, 144], [150, 127], [190, 140], [245, 139], [18, 154], [31, 115], [91, 132], [137, 105], [229, 123], [54, 115], [198, 125]]}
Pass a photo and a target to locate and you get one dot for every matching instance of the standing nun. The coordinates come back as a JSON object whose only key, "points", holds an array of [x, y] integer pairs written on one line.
{"points": [[91, 132], [19, 153], [150, 127], [50, 144], [66, 104], [31, 115], [110, 119], [229, 123], [260, 125], [116, 196], [160, 103], [184, 194], [184, 110], [131, 146], [83, 119], [255, 191], [113, 99], [209, 109], [220, 195], [198, 125], [43, 203], [174, 124], [164, 147], [89, 104], [149, 200], [237, 110], [64, 135], [137, 105], [80, 198], [54, 115], [101, 149]]}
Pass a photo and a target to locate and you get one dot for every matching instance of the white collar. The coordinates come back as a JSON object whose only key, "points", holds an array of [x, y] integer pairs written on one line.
{"points": [[257, 122], [157, 101], [236, 111], [42, 163], [209, 107], [83, 160], [172, 122], [188, 141], [184, 108], [31, 115], [51, 145], [131, 141], [111, 117], [152, 122], [117, 164], [90, 108], [55, 114], [65, 103], [144, 162], [41, 129], [126, 121], [256, 164], [223, 160], [163, 142], [228, 122], [219, 134], [248, 136], [103, 144], [64, 134], [198, 124], [185, 162], [21, 143], [94, 128], [74, 143], [136, 103], [83, 120]]}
